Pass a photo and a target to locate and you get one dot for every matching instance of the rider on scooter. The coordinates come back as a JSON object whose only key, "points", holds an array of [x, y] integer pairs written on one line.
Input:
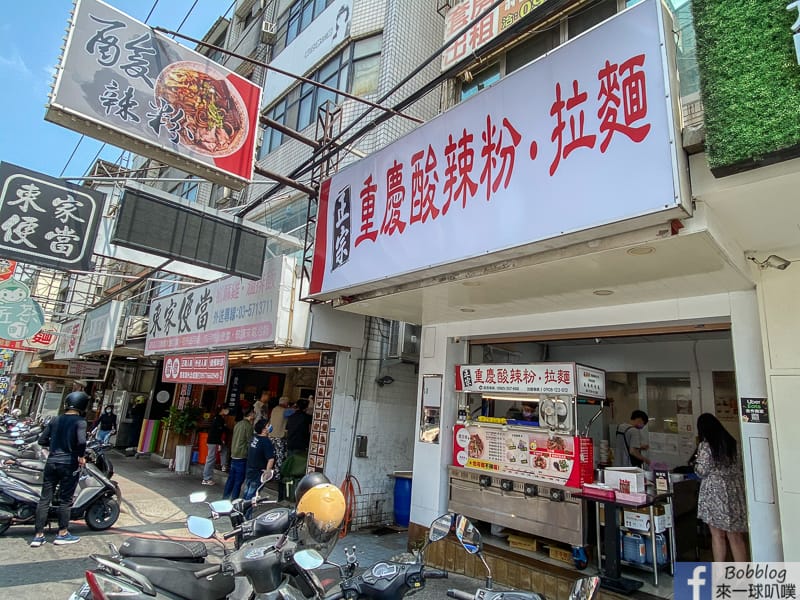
{"points": [[65, 435]]}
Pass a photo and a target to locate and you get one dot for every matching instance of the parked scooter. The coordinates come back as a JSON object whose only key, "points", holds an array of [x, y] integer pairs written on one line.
{"points": [[388, 580], [470, 538], [22, 450], [28, 465], [96, 501], [255, 570]]}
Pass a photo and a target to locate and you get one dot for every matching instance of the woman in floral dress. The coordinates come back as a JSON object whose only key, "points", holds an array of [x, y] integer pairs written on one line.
{"points": [[721, 503]]}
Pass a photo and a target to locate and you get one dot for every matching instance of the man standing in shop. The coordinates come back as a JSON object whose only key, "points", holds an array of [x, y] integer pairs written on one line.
{"points": [[298, 428], [240, 444], [629, 446], [298, 436], [213, 444]]}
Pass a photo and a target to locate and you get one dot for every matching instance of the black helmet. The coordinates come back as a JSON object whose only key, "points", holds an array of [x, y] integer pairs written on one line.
{"points": [[77, 401], [307, 482]]}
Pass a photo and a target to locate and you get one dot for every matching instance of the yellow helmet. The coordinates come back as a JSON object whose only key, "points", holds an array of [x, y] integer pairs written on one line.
{"points": [[323, 507]]}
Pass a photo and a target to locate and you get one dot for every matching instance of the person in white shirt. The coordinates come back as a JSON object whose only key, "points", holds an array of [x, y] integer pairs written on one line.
{"points": [[629, 445]]}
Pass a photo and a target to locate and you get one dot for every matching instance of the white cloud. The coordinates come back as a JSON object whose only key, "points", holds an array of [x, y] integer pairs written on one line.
{"points": [[13, 62]]}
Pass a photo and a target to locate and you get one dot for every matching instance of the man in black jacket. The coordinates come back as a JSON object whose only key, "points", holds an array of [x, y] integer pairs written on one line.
{"points": [[65, 435], [298, 428]]}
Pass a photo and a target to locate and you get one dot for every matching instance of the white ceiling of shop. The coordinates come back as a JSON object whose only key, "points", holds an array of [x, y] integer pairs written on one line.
{"points": [[680, 266]]}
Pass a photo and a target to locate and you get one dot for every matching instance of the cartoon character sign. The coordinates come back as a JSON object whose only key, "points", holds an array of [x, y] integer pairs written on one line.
{"points": [[20, 315]]}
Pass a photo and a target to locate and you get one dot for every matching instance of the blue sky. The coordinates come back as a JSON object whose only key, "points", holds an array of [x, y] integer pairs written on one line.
{"points": [[31, 34]]}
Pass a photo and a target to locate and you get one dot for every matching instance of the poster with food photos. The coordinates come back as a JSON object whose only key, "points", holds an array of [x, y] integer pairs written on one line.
{"points": [[558, 459], [321, 412]]}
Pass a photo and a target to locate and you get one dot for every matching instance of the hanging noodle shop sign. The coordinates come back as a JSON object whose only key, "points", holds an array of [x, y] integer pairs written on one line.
{"points": [[123, 83]]}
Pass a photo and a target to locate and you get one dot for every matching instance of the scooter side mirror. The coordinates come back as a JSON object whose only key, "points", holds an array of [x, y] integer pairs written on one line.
{"points": [[203, 528], [308, 559], [14, 433], [468, 535], [440, 528], [19, 442], [196, 497], [222, 507]]}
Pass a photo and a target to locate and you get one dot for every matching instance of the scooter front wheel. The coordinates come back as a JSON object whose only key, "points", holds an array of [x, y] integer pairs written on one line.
{"points": [[102, 514]]}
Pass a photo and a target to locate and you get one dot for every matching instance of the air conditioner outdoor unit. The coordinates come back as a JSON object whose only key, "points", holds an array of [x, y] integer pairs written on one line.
{"points": [[268, 29], [404, 340]]}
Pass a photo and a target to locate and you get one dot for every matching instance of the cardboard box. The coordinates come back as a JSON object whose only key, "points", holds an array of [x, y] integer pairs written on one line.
{"points": [[560, 554], [641, 521], [625, 479], [523, 542]]}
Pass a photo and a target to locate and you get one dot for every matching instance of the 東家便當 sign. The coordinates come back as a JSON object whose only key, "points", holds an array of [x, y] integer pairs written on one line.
{"points": [[46, 221]]}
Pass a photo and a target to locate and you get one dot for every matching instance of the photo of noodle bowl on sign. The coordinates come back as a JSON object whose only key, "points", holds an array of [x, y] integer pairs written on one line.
{"points": [[215, 117]]}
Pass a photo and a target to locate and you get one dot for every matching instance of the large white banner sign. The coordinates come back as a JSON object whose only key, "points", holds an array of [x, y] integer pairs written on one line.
{"points": [[583, 137], [226, 313]]}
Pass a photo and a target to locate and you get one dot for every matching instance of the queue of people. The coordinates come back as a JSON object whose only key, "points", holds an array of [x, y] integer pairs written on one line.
{"points": [[273, 441]]}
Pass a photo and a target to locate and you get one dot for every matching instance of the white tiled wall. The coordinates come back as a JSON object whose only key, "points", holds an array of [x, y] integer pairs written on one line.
{"points": [[386, 416]]}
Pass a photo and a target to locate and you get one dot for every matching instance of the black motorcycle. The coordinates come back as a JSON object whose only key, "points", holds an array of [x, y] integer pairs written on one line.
{"points": [[470, 538], [96, 501], [389, 580], [157, 557], [256, 570]]}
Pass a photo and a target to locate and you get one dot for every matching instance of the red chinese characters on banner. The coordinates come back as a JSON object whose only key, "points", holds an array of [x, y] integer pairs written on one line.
{"points": [[492, 150], [557, 376], [504, 375], [368, 196], [43, 337], [578, 138], [634, 100], [483, 161], [484, 30], [480, 33], [395, 195], [423, 186], [460, 158]]}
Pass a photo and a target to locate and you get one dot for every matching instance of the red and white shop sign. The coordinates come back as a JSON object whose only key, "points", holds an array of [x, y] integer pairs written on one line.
{"points": [[534, 378], [201, 369], [583, 138], [560, 460]]}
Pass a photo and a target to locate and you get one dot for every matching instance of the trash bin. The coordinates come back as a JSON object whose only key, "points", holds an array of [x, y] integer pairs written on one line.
{"points": [[402, 497], [202, 448]]}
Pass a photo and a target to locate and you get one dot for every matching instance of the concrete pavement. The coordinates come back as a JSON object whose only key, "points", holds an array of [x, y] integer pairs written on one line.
{"points": [[155, 502]]}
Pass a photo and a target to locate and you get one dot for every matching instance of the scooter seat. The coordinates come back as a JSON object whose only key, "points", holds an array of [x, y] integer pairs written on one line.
{"points": [[173, 550], [178, 578], [29, 463]]}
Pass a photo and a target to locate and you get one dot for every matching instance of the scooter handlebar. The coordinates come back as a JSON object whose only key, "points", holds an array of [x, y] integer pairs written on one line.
{"points": [[429, 573], [212, 570], [459, 595], [232, 534]]}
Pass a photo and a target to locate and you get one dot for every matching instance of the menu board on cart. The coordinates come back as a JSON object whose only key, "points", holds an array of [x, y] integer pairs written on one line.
{"points": [[535, 455]]}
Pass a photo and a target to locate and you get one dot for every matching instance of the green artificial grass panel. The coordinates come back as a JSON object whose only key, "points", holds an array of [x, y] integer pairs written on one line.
{"points": [[749, 80]]}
